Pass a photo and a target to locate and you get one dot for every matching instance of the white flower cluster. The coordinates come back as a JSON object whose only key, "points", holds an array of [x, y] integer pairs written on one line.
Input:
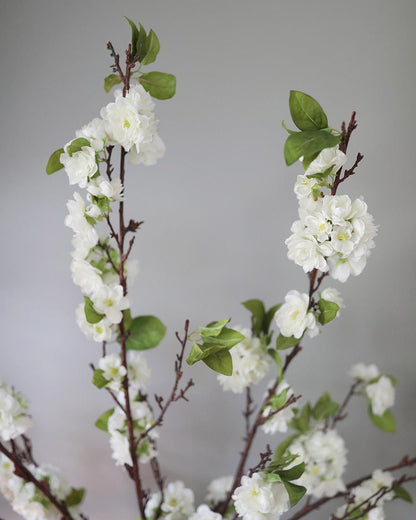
{"points": [[257, 499], [333, 233], [324, 455], [294, 317], [138, 371], [14, 420], [250, 363], [373, 492], [178, 502], [379, 388], [279, 421], [24, 496]]}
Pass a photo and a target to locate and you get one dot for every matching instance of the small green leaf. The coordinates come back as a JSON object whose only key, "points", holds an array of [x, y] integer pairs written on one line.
{"points": [[152, 48], [111, 81], [403, 494], [328, 309], [275, 355], [277, 401], [213, 329], [76, 145], [221, 362], [324, 408], [227, 338], [141, 48], [287, 129], [195, 355], [307, 143], [385, 422], [54, 163], [134, 35], [301, 422], [160, 85], [145, 332], [307, 160], [269, 317], [75, 497], [256, 307], [306, 112], [98, 379], [284, 342], [293, 473], [294, 491], [127, 319], [283, 446], [272, 477], [91, 314], [102, 421]]}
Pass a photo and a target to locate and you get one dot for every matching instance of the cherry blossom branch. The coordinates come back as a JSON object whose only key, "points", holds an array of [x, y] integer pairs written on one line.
{"points": [[312, 506], [21, 471], [341, 414]]}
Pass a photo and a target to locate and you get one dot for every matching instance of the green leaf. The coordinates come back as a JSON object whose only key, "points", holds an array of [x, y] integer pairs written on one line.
{"points": [[213, 329], [328, 309], [227, 338], [110, 81], [141, 48], [75, 497], [307, 143], [294, 491], [272, 477], [145, 332], [284, 342], [256, 307], [275, 355], [283, 446], [324, 408], [76, 145], [102, 421], [91, 314], [160, 85], [196, 354], [293, 473], [307, 160], [385, 422], [54, 163], [306, 112], [403, 494], [277, 401], [127, 319], [134, 36], [287, 129], [98, 379], [152, 48], [221, 362], [269, 317], [301, 422]]}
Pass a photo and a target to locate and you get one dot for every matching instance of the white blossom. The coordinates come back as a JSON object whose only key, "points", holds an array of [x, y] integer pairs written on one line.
{"points": [[257, 499], [80, 166], [178, 502], [99, 332], [326, 158], [113, 370], [250, 363], [110, 300], [304, 185], [87, 277], [279, 421], [381, 395], [364, 372], [94, 131], [138, 370], [218, 489], [204, 513], [324, 455], [293, 317], [102, 187], [14, 420]]}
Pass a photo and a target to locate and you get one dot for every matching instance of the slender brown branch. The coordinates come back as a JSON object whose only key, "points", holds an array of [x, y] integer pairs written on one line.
{"points": [[341, 414]]}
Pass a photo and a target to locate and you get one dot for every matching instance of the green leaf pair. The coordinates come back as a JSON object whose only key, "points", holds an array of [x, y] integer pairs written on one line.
{"points": [[260, 318], [314, 135], [275, 472], [217, 340], [324, 408]]}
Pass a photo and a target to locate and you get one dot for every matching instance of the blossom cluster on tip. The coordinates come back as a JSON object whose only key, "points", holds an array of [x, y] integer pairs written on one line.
{"points": [[294, 317], [26, 499], [324, 455], [251, 363], [333, 232], [278, 422], [372, 493], [379, 389], [14, 420], [257, 499]]}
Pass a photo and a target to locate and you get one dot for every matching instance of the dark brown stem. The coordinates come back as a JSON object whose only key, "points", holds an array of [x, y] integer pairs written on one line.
{"points": [[341, 414]]}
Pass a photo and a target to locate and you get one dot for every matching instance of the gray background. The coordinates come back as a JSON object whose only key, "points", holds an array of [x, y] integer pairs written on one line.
{"points": [[217, 210]]}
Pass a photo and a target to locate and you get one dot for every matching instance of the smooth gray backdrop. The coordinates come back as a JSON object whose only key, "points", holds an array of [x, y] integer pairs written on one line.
{"points": [[217, 210]]}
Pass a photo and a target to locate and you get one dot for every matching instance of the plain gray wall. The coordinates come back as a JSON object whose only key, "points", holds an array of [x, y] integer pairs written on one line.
{"points": [[217, 210]]}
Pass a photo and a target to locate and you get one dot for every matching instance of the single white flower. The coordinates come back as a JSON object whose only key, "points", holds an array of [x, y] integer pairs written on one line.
{"points": [[178, 503], [113, 370], [257, 499], [293, 317], [381, 395], [138, 370], [94, 131], [87, 277], [110, 300], [99, 332], [306, 252], [304, 185], [218, 489], [364, 372], [14, 420], [80, 166], [204, 513], [101, 187], [326, 158]]}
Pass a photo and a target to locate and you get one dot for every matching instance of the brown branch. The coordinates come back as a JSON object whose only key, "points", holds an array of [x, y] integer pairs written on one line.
{"points": [[341, 415]]}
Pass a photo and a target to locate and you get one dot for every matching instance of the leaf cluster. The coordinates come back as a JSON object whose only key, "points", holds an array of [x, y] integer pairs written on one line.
{"points": [[314, 136], [213, 346], [278, 471], [324, 408]]}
